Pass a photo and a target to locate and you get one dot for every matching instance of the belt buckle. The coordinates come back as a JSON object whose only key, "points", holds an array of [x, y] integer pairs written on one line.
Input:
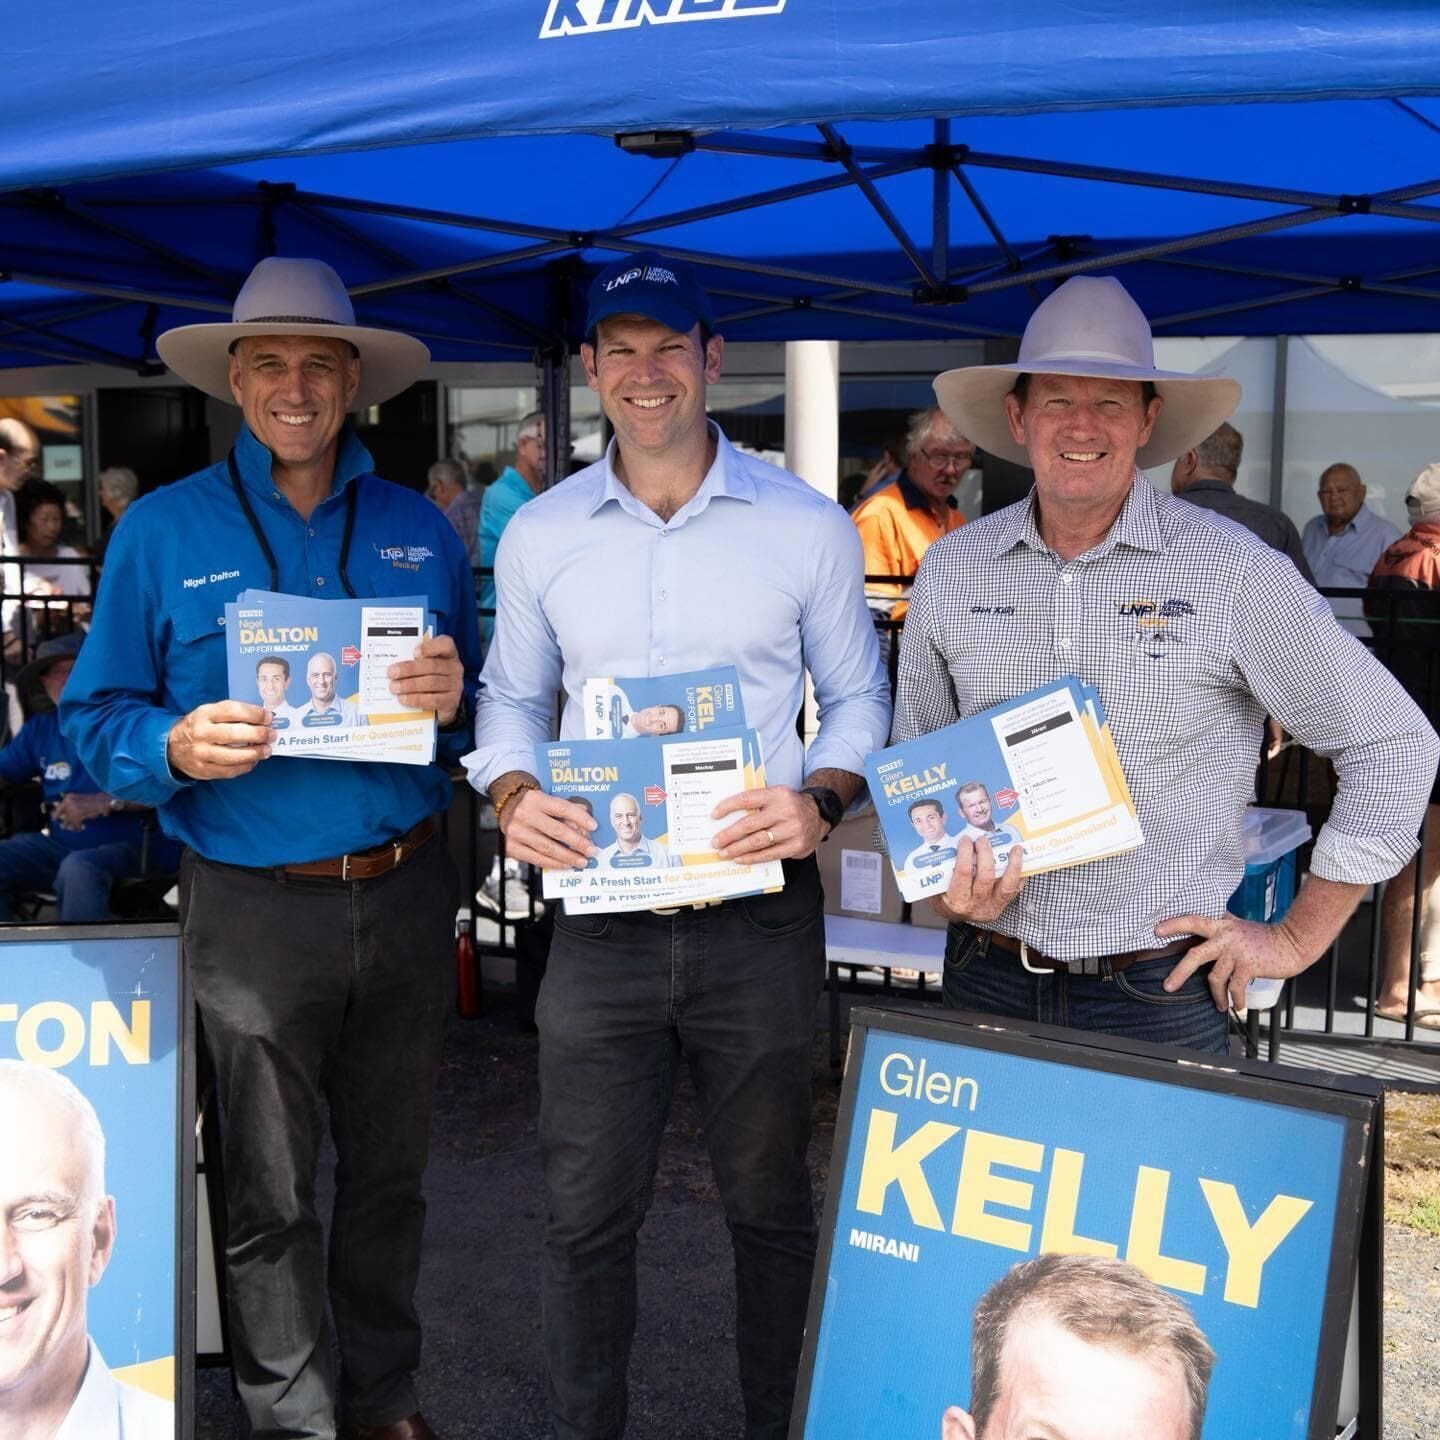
{"points": [[344, 867], [1025, 962]]}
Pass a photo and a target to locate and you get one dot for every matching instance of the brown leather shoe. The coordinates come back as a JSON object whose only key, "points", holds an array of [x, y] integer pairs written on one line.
{"points": [[412, 1427]]}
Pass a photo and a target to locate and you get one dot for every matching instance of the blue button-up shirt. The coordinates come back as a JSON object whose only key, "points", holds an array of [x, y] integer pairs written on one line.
{"points": [[1344, 561], [156, 650], [503, 497], [755, 570]]}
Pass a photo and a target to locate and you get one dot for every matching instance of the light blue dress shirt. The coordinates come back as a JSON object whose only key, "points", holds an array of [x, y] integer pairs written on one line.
{"points": [[756, 570], [503, 497], [1344, 561]]}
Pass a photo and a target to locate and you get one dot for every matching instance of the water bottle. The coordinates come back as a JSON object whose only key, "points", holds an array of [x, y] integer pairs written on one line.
{"points": [[467, 976]]}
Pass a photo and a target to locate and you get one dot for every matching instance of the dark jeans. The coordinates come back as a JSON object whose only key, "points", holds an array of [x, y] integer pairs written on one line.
{"points": [[320, 992], [81, 879], [732, 989], [1130, 1004]]}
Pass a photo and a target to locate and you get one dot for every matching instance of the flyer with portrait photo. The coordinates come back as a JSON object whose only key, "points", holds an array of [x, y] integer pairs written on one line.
{"points": [[652, 799], [1040, 771], [322, 668], [662, 704]]}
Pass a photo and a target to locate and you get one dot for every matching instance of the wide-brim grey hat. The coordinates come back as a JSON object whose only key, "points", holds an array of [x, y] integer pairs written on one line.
{"points": [[288, 296], [1089, 327]]}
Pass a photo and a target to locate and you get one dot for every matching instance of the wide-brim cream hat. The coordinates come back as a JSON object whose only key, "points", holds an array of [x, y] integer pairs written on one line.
{"points": [[1089, 327], [287, 296]]}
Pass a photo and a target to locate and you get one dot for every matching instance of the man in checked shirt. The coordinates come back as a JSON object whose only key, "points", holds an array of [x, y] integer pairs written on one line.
{"points": [[1192, 630]]}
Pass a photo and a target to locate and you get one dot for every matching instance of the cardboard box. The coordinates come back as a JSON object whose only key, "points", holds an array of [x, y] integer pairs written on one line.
{"points": [[856, 874]]}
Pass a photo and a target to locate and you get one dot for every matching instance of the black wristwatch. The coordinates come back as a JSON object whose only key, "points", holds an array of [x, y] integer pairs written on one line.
{"points": [[829, 804], [459, 721]]}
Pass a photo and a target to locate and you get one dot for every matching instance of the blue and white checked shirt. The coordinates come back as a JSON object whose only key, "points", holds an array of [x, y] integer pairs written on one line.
{"points": [[1192, 630], [756, 570]]}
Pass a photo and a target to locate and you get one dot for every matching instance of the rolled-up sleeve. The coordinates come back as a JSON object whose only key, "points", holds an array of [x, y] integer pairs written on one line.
{"points": [[523, 671], [852, 694], [112, 710], [1332, 694]]}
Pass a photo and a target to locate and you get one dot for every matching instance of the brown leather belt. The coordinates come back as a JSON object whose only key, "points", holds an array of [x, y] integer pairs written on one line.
{"points": [[367, 864], [1034, 960]]}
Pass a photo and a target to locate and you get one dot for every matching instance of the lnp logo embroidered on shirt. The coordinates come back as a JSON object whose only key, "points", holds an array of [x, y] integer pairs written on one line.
{"points": [[1156, 632], [589, 17], [406, 557]]}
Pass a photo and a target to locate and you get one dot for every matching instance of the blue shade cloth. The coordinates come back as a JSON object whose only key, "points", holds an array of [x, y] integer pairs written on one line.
{"points": [[157, 650], [756, 570]]}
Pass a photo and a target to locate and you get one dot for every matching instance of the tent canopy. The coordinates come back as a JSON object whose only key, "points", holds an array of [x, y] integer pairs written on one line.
{"points": [[836, 168]]}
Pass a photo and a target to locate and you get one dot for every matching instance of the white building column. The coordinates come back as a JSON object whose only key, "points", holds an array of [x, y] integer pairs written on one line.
{"points": [[812, 412]]}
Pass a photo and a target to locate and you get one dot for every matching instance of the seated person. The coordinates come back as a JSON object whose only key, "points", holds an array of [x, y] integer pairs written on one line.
{"points": [[92, 840]]}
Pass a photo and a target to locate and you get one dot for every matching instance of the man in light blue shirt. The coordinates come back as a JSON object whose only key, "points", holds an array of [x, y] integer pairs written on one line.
{"points": [[1343, 543], [512, 488], [677, 553]]}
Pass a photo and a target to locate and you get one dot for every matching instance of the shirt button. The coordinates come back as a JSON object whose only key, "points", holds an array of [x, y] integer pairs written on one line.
{"points": [[1066, 579], [311, 533], [319, 579], [661, 594], [1064, 644]]}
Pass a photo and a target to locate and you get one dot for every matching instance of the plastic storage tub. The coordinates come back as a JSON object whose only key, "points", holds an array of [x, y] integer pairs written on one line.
{"points": [[1271, 839]]}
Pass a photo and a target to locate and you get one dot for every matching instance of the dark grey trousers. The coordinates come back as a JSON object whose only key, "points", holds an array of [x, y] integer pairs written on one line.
{"points": [[316, 995]]}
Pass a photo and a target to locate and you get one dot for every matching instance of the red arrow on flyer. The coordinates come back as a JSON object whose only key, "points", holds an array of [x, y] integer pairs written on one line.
{"points": [[654, 795], [349, 656]]}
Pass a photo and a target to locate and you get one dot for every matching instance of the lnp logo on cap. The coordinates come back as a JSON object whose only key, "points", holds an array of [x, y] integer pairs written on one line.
{"points": [[655, 274], [588, 17]]}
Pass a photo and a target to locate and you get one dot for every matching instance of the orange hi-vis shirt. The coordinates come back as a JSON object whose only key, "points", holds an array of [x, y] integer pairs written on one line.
{"points": [[897, 526]]}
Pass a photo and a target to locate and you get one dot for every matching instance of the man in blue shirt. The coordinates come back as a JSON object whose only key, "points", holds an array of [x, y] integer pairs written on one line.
{"points": [[1343, 543], [513, 487], [317, 904], [93, 838], [677, 553]]}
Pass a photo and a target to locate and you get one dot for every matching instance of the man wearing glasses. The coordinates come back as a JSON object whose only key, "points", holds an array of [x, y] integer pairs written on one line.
{"points": [[19, 459], [900, 522]]}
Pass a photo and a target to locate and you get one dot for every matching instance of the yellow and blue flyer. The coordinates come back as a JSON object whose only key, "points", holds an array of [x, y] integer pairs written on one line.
{"points": [[662, 704], [1040, 771], [652, 798], [321, 668]]}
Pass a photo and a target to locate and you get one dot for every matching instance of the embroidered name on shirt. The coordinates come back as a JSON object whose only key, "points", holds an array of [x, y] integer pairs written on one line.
{"points": [[194, 582], [992, 609]]}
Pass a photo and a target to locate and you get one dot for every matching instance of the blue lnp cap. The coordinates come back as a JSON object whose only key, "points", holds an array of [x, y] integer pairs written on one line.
{"points": [[651, 285]]}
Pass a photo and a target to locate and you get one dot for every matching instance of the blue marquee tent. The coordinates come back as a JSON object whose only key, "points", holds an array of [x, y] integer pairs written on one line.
{"points": [[837, 168]]}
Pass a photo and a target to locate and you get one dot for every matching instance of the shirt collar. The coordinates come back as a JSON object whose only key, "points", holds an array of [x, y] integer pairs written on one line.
{"points": [[253, 460], [727, 476], [1137, 525]]}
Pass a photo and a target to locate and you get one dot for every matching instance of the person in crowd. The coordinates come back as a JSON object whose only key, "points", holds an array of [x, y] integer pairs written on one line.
{"points": [[445, 485], [40, 515], [118, 487], [899, 522], [93, 838], [1345, 540], [58, 1234], [1141, 944], [515, 486], [19, 460], [317, 901], [885, 471], [692, 546], [1406, 621], [1205, 475], [937, 845], [1084, 1347], [632, 850]]}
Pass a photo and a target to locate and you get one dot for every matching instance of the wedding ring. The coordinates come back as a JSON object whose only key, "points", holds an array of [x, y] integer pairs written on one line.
{"points": [[771, 834]]}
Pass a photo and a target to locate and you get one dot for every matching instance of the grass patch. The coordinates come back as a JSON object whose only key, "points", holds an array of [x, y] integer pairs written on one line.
{"points": [[1412, 1161]]}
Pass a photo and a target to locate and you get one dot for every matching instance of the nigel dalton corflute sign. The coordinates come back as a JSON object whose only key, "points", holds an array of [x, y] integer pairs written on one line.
{"points": [[1024, 1233]]}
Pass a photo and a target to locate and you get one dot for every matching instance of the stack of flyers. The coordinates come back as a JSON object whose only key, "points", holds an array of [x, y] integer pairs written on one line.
{"points": [[662, 704], [1040, 771], [652, 798], [321, 666]]}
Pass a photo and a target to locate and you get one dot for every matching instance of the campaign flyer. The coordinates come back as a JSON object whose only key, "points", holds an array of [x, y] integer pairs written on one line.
{"points": [[1040, 771], [662, 704], [90, 1076], [652, 798], [984, 1183], [320, 666]]}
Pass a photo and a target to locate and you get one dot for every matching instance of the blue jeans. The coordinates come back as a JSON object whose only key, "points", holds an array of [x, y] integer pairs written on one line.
{"points": [[1130, 1004], [81, 879], [732, 989]]}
